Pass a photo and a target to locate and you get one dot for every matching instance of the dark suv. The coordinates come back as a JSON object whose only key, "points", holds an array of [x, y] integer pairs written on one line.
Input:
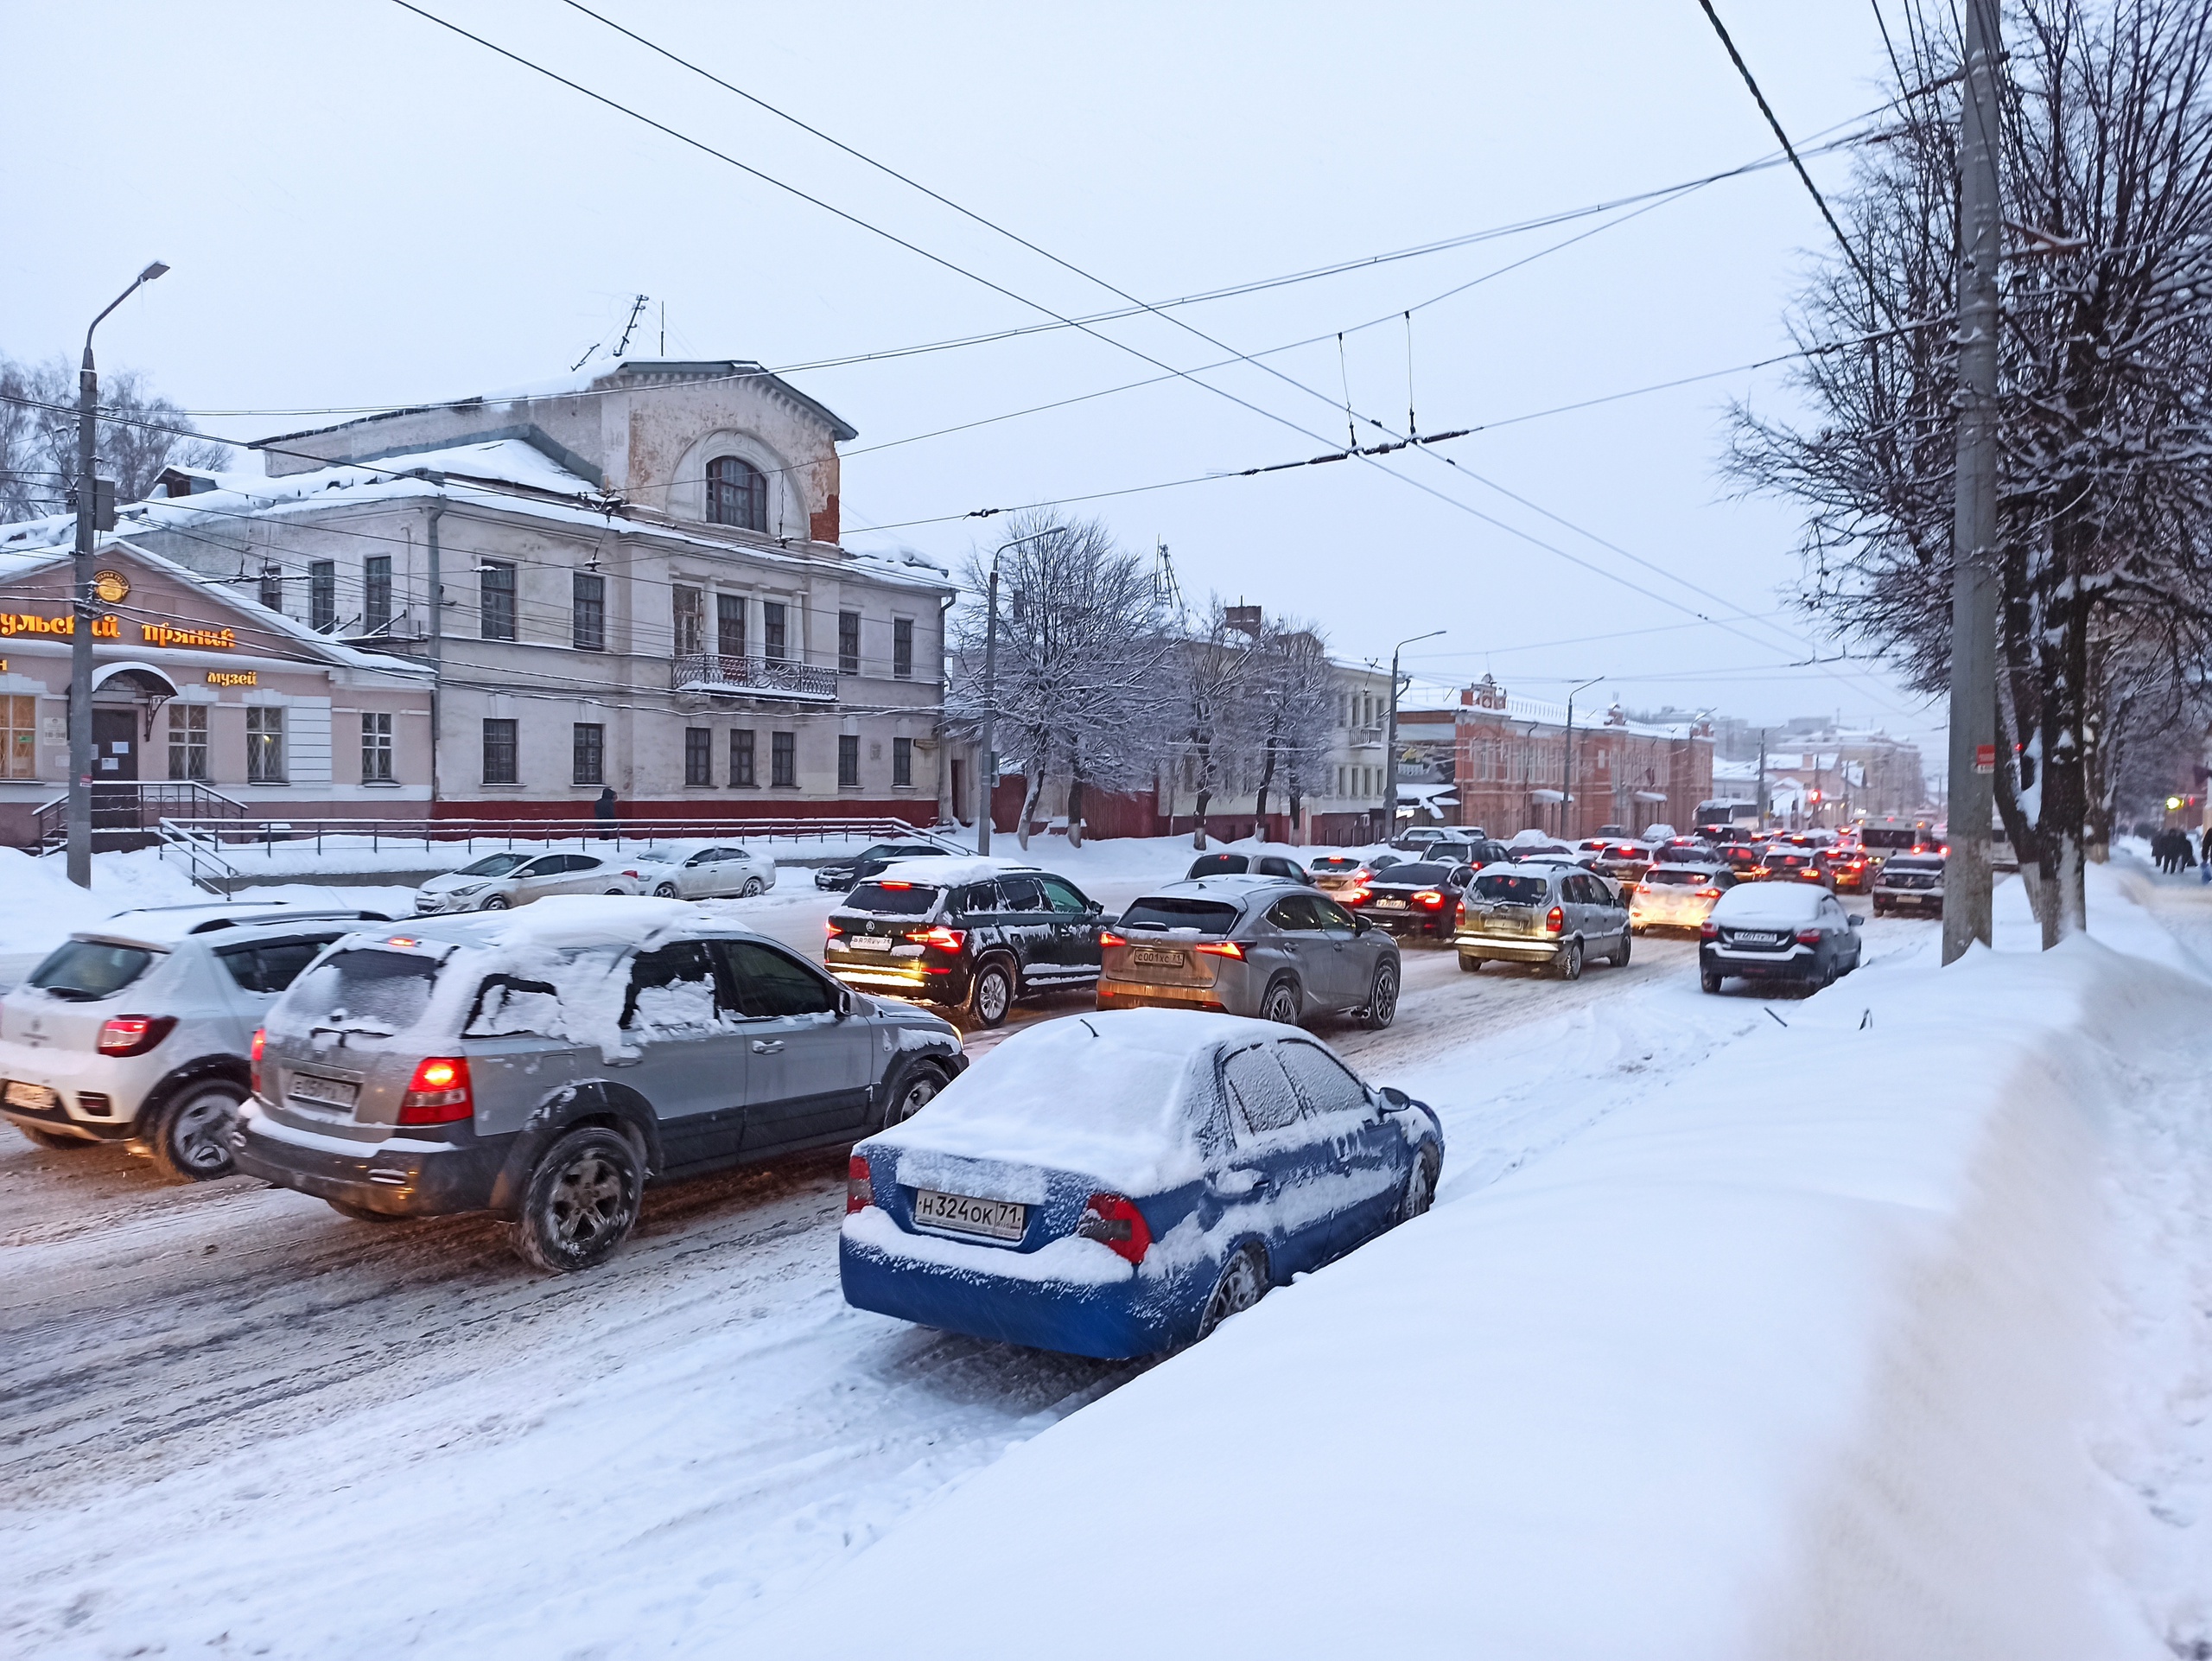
{"points": [[870, 862], [971, 933]]}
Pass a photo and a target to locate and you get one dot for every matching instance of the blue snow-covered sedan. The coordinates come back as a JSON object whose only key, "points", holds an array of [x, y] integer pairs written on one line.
{"points": [[1121, 1183]]}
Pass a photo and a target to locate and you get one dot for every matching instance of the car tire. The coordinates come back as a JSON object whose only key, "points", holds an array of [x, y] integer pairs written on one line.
{"points": [[1470, 966], [361, 1213], [580, 1201], [1620, 957], [1708, 980], [664, 891], [1243, 1282], [990, 995], [617, 894], [1569, 965], [1421, 1185], [496, 902], [1382, 998], [189, 1135], [1281, 1004], [910, 1089], [751, 886], [59, 1140]]}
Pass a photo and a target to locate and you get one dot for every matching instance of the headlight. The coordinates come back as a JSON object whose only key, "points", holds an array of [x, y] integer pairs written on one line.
{"points": [[463, 894]]}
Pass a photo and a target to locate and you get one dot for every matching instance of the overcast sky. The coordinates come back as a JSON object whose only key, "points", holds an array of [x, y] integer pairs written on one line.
{"points": [[363, 208]]}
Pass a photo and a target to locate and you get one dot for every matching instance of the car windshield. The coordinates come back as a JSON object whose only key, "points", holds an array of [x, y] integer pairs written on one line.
{"points": [[893, 899], [1913, 864], [1415, 876], [364, 991], [1875, 836], [1677, 878], [493, 865], [84, 969], [1506, 888], [1171, 911], [1683, 855], [1219, 865]]}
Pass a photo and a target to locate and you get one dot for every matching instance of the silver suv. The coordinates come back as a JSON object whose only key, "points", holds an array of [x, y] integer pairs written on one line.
{"points": [[1542, 914], [542, 1064], [137, 1030]]}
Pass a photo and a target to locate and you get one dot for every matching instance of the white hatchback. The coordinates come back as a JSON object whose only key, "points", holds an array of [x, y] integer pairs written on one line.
{"points": [[138, 1030], [692, 870], [499, 880]]}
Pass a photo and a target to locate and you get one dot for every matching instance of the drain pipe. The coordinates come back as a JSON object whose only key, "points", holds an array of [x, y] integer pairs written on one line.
{"points": [[437, 642]]}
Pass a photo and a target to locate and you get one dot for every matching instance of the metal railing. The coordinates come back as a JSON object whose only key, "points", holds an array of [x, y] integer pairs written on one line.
{"points": [[130, 813], [709, 671], [202, 854], [226, 838]]}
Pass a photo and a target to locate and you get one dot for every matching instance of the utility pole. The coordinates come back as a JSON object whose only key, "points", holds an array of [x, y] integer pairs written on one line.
{"points": [[1760, 824], [987, 783], [1568, 818], [94, 514], [1390, 738], [1974, 526]]}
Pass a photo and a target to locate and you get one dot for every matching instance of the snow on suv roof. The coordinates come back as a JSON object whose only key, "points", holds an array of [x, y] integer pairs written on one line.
{"points": [[166, 925], [560, 920], [1229, 885], [945, 870]]}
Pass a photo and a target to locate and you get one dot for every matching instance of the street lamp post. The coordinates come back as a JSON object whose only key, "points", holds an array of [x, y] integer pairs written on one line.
{"points": [[988, 785], [79, 818], [1567, 821], [1390, 738]]}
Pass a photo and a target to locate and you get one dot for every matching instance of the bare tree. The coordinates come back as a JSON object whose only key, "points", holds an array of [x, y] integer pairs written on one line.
{"points": [[1213, 681], [1083, 661], [1294, 711], [2105, 498], [38, 446]]}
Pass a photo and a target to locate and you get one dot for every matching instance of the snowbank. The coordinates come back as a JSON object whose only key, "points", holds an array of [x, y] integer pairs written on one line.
{"points": [[1786, 1357]]}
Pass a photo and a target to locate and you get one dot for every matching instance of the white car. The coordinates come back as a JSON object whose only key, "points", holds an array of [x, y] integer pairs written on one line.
{"points": [[138, 1030], [499, 880], [1677, 896], [691, 870]]}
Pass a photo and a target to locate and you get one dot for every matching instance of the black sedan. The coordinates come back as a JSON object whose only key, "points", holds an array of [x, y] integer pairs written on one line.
{"points": [[1421, 899], [871, 861], [1789, 931]]}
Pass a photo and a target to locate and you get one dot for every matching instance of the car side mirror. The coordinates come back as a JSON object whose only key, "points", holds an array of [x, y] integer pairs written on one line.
{"points": [[1856, 921], [1393, 1097], [844, 1002]]}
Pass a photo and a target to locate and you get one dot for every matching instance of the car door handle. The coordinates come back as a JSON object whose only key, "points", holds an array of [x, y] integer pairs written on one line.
{"points": [[767, 1047]]}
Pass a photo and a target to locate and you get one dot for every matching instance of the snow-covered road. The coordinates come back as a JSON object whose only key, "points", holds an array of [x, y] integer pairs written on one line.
{"points": [[230, 1419]]}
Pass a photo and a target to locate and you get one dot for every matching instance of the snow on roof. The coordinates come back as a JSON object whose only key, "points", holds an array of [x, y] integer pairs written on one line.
{"points": [[949, 869], [559, 922], [166, 925], [1769, 902]]}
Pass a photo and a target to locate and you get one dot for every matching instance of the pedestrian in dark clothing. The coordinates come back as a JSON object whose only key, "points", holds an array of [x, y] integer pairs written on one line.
{"points": [[603, 809], [2162, 851]]}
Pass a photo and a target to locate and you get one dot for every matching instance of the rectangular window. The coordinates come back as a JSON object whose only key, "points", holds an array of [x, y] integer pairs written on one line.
{"points": [[783, 760], [272, 587], [376, 594], [902, 647], [742, 775], [376, 748], [902, 763], [729, 625], [322, 596], [690, 605], [20, 735], [698, 755], [848, 643], [771, 629], [499, 752], [587, 753], [188, 741], [264, 744], [848, 761], [587, 611], [495, 599]]}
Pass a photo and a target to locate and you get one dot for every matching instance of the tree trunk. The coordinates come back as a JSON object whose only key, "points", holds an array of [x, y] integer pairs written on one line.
{"points": [[1260, 801], [1075, 809], [1297, 799], [1036, 788], [1199, 824]]}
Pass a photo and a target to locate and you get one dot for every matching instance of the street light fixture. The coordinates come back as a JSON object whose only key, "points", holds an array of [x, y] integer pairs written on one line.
{"points": [[1566, 816], [1390, 738], [989, 784], [79, 818]]}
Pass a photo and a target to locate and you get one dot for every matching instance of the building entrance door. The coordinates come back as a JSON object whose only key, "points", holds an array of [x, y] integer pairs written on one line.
{"points": [[115, 768]]}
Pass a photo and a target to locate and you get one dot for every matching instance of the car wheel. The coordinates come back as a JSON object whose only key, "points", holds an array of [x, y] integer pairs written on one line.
{"points": [[1470, 966], [1620, 957], [1421, 1186], [1382, 998], [580, 1202], [665, 891], [190, 1136], [57, 1139], [362, 1213], [1243, 1282], [616, 893], [909, 1093], [1281, 1004], [1570, 961], [496, 902], [992, 994], [752, 887], [1708, 980]]}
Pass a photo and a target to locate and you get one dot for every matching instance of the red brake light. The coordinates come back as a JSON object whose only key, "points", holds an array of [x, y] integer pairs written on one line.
{"points": [[949, 939], [1808, 937], [1116, 1223], [1459, 914], [1221, 949], [1708, 893], [438, 1093], [1106, 937], [1555, 921], [1709, 929], [260, 1038], [894, 885], [1428, 897], [860, 1186], [133, 1035], [1355, 896]]}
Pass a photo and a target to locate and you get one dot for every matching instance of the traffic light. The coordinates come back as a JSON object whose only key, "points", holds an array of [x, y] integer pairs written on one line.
{"points": [[2173, 804]]}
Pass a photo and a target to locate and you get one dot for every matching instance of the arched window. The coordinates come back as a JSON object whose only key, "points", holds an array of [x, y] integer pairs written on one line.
{"points": [[737, 493]]}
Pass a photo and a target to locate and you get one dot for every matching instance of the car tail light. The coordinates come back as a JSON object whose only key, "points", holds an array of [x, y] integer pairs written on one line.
{"points": [[1355, 896], [949, 939], [133, 1035], [894, 885], [438, 1093], [1808, 937], [859, 1186], [1359, 876], [1118, 1224], [1556, 920], [1428, 897], [1708, 893], [633, 876], [1459, 914], [834, 928], [260, 1039], [1221, 949], [1106, 937], [1709, 930]]}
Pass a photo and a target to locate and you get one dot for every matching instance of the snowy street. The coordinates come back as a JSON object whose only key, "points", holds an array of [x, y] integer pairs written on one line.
{"points": [[229, 1412]]}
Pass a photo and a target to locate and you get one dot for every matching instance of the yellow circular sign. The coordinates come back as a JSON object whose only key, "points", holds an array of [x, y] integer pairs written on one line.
{"points": [[112, 586]]}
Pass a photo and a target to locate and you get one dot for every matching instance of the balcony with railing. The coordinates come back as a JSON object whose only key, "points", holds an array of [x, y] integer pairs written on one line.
{"points": [[777, 677]]}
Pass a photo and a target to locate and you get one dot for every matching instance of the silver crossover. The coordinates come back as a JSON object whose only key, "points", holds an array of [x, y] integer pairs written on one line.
{"points": [[1553, 916]]}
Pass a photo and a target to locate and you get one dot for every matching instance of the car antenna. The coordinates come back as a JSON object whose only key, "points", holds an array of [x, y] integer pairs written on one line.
{"points": [[1088, 1027]]}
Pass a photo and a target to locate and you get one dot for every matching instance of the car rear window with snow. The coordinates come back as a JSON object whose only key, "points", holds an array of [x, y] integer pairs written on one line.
{"points": [[1508, 889], [82, 971], [883, 899], [378, 993], [1170, 910]]}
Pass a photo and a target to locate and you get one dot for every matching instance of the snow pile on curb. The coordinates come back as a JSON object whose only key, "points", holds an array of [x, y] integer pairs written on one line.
{"points": [[1792, 1357]]}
